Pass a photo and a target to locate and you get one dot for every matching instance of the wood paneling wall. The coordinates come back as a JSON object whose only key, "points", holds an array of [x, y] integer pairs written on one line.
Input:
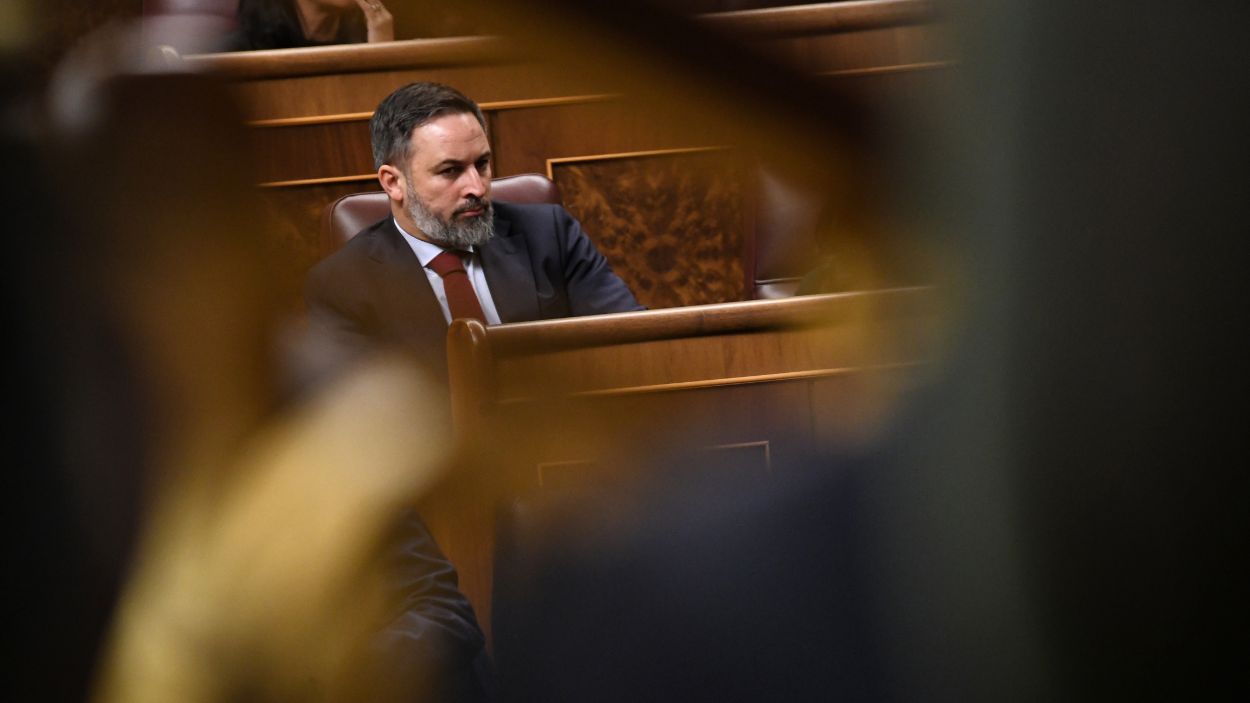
{"points": [[671, 223]]}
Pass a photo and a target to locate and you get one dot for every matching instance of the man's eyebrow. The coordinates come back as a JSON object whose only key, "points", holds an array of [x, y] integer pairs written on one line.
{"points": [[454, 162]]}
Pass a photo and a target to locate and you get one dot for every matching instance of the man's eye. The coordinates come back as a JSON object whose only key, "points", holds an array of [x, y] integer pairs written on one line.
{"points": [[483, 165]]}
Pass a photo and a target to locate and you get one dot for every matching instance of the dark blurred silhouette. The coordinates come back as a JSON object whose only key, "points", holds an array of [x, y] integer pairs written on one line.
{"points": [[75, 459], [200, 530]]}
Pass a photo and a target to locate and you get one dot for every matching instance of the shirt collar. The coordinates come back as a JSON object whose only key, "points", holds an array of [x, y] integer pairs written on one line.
{"points": [[424, 250]]}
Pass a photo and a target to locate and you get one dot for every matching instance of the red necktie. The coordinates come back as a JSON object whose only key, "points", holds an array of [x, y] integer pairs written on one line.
{"points": [[460, 296]]}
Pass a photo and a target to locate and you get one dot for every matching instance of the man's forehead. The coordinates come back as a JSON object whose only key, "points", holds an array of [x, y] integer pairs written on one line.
{"points": [[446, 133]]}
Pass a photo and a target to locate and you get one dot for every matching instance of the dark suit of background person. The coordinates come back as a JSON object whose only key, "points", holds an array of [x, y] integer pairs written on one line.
{"points": [[539, 266]]}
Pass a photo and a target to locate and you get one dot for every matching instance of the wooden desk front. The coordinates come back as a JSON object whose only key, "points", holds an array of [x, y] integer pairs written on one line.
{"points": [[547, 405]]}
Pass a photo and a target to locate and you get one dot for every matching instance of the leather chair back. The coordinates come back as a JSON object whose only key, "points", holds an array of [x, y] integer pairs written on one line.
{"points": [[348, 215]]}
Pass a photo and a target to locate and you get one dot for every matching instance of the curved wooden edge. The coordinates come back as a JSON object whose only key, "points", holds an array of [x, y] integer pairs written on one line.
{"points": [[330, 180], [470, 372], [827, 18], [355, 58], [565, 160], [812, 375], [487, 107], [705, 320]]}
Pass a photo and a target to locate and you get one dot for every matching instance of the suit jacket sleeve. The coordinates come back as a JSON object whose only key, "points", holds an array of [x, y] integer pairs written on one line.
{"points": [[593, 288], [337, 314]]}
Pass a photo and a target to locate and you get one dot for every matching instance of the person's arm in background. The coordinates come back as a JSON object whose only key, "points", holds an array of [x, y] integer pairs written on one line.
{"points": [[378, 21]]}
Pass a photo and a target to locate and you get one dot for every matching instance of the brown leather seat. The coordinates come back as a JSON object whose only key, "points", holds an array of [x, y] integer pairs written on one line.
{"points": [[351, 213]]}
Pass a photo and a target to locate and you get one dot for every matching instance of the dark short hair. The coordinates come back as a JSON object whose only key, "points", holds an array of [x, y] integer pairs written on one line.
{"points": [[408, 108]]}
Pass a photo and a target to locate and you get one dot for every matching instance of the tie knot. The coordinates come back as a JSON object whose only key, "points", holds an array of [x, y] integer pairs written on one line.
{"points": [[447, 262]]}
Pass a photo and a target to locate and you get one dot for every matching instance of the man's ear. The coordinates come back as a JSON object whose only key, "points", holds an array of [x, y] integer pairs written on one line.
{"points": [[392, 180]]}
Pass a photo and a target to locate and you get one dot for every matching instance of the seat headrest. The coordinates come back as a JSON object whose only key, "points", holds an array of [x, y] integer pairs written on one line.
{"points": [[350, 214]]}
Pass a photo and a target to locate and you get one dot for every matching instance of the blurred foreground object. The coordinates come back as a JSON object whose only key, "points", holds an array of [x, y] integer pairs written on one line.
{"points": [[262, 579], [189, 26], [264, 566], [1055, 519]]}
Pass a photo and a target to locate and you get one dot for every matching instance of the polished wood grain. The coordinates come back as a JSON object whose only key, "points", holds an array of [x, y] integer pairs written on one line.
{"points": [[553, 163], [307, 151], [670, 222], [705, 320], [293, 222], [526, 139]]}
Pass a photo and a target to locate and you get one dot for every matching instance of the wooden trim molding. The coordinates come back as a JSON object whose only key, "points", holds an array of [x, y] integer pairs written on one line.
{"points": [[552, 163], [355, 58], [496, 106], [312, 120], [501, 105], [321, 181], [808, 375], [826, 18], [520, 338]]}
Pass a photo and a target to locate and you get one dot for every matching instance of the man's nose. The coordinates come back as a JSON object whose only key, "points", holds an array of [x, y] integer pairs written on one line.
{"points": [[475, 185]]}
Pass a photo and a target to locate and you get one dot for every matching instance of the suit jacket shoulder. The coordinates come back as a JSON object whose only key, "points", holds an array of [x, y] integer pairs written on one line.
{"points": [[543, 266], [374, 291], [540, 265]]}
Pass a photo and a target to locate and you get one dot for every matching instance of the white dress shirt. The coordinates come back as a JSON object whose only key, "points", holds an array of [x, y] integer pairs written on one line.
{"points": [[426, 252]]}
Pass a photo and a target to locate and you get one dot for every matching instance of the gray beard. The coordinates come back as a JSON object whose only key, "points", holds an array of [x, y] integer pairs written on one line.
{"points": [[462, 234]]}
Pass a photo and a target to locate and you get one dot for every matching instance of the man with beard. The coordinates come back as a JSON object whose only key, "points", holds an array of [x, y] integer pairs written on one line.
{"points": [[448, 251], [402, 280]]}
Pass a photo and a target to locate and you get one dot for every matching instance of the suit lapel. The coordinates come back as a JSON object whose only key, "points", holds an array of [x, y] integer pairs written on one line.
{"points": [[415, 312], [506, 261]]}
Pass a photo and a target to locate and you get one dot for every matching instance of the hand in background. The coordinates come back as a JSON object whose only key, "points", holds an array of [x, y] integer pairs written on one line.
{"points": [[378, 21]]}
